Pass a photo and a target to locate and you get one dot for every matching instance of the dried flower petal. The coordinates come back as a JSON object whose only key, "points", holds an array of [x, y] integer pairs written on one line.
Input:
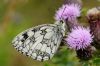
{"points": [[93, 16]]}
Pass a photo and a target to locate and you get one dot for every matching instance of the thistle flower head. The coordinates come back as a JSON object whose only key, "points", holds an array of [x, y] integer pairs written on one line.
{"points": [[68, 11], [94, 14], [79, 38]]}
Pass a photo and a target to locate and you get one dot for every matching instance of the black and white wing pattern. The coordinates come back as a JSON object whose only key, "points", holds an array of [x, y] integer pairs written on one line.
{"points": [[40, 42]]}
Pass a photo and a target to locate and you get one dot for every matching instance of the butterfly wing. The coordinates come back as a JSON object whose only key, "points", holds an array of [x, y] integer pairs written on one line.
{"points": [[40, 42]]}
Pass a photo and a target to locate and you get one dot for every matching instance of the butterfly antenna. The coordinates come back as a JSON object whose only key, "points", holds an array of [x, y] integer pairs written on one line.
{"points": [[62, 14], [60, 17]]}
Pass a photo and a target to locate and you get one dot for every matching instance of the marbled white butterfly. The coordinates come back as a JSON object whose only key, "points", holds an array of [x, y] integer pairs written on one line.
{"points": [[40, 42]]}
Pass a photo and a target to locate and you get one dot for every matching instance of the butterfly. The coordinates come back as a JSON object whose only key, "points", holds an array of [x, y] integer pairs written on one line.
{"points": [[40, 42]]}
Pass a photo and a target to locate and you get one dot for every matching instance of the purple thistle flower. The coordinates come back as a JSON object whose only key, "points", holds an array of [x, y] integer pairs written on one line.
{"points": [[79, 38], [68, 11]]}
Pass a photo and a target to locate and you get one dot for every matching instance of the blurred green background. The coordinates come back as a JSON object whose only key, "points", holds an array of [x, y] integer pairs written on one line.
{"points": [[18, 15]]}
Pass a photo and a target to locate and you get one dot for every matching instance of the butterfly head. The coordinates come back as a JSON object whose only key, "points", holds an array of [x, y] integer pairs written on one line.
{"points": [[62, 25]]}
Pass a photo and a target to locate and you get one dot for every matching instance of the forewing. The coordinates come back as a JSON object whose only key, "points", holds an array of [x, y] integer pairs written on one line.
{"points": [[39, 42]]}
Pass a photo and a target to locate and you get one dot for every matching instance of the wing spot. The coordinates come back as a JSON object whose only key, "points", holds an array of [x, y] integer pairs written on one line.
{"points": [[25, 35], [43, 32]]}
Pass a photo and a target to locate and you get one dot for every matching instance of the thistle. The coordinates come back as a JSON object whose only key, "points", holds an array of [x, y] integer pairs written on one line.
{"points": [[79, 38], [68, 12], [93, 16]]}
